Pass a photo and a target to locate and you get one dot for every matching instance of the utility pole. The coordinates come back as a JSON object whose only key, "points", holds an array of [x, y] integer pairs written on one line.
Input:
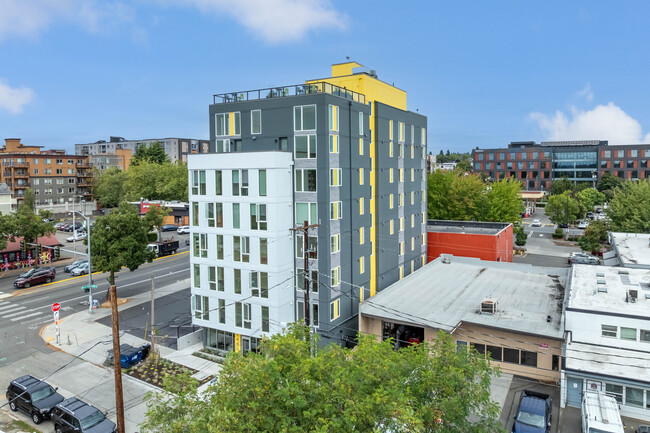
{"points": [[305, 232], [152, 321], [117, 365]]}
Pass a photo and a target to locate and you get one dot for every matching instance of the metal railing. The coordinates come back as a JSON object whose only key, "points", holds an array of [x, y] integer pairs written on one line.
{"points": [[292, 90]]}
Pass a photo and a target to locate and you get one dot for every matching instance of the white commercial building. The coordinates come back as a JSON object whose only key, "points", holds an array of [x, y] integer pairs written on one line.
{"points": [[607, 344], [632, 249], [242, 249]]}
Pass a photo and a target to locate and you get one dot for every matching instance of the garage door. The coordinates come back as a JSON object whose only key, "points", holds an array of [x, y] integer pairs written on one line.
{"points": [[574, 392]]}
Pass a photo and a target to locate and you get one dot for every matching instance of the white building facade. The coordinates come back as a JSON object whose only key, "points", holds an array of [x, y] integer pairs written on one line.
{"points": [[607, 344], [241, 257]]}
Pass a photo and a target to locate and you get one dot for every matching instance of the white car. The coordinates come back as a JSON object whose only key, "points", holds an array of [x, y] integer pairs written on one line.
{"points": [[183, 229], [536, 223], [78, 236], [583, 224]]}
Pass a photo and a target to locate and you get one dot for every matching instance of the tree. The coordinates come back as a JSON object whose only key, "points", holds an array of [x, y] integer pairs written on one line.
{"points": [[28, 224], [562, 209], [466, 198], [7, 229], [520, 235], [503, 202], [591, 197], [109, 186], [608, 184], [421, 388], [153, 181], [119, 239], [594, 234], [561, 185], [155, 217], [629, 208], [153, 153], [438, 187]]}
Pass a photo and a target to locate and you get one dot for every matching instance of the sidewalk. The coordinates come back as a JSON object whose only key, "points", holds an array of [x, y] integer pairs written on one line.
{"points": [[88, 340]]}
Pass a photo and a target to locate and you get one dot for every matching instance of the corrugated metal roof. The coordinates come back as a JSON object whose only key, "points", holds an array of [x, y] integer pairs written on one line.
{"points": [[442, 295]]}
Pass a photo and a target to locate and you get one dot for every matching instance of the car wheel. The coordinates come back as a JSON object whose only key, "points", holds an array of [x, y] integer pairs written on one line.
{"points": [[49, 280], [36, 418], [13, 406], [26, 285], [58, 429]]}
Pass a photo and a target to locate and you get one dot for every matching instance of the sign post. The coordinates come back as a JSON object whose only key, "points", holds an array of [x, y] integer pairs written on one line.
{"points": [[55, 309]]}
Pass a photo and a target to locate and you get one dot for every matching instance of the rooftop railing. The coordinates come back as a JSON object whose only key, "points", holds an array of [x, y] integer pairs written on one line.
{"points": [[293, 90]]}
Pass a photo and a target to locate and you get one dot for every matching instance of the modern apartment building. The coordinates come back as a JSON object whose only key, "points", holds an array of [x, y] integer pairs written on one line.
{"points": [[177, 149], [537, 165], [55, 178], [340, 152]]}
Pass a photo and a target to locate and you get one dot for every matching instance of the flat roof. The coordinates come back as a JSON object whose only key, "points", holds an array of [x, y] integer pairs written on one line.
{"points": [[586, 293], [468, 227], [608, 361], [443, 295], [633, 249]]}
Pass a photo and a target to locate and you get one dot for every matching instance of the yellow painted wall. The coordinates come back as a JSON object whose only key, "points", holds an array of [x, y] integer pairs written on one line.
{"points": [[374, 91]]}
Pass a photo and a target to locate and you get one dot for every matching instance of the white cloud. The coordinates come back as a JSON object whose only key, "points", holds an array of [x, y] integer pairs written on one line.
{"points": [[28, 18], [603, 122], [276, 21], [14, 99], [586, 93]]}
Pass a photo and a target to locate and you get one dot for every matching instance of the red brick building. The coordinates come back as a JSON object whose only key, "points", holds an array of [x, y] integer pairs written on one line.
{"points": [[482, 240]]}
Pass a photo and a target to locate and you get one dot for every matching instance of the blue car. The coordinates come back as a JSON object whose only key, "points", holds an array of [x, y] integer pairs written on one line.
{"points": [[534, 414]]}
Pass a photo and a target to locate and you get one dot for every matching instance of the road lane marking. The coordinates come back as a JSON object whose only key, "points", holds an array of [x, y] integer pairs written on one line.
{"points": [[36, 313]]}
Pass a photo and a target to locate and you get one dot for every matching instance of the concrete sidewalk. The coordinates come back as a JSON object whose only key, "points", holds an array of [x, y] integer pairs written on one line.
{"points": [[82, 337]]}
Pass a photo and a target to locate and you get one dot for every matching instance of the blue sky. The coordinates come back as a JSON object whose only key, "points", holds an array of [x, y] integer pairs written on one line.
{"points": [[484, 72]]}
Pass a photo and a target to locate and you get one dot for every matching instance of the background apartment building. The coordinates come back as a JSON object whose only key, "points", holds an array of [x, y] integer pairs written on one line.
{"points": [[341, 152], [55, 178], [117, 152], [537, 165]]}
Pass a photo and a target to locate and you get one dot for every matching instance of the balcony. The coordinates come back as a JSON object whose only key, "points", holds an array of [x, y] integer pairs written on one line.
{"points": [[84, 174], [21, 185], [84, 185], [22, 174], [84, 165], [293, 90], [15, 164]]}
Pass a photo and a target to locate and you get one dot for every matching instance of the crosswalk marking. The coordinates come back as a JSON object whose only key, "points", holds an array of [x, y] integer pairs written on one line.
{"points": [[7, 316], [5, 295], [26, 316], [8, 307]]}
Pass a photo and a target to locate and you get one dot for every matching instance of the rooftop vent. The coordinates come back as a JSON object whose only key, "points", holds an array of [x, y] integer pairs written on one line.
{"points": [[600, 275], [446, 260], [488, 306], [602, 289], [632, 295], [623, 272]]}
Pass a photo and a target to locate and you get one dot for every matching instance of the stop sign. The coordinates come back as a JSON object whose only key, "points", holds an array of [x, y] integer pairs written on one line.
{"points": [[56, 306]]}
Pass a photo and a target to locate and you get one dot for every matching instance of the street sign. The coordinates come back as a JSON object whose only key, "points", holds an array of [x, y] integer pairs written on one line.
{"points": [[56, 306], [56, 315]]}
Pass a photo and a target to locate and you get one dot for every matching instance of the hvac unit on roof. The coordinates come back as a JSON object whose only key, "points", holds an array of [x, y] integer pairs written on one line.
{"points": [[632, 295], [488, 306]]}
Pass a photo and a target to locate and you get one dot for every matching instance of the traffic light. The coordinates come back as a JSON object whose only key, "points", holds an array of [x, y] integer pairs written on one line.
{"points": [[39, 249], [57, 253], [22, 246]]}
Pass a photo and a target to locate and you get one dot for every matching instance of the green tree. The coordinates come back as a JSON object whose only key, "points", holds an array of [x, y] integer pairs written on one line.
{"points": [[608, 184], [562, 209], [438, 188], [156, 181], [561, 185], [155, 217], [503, 201], [119, 239], [629, 208], [594, 234], [28, 224], [7, 229], [292, 387], [466, 198], [154, 153], [109, 186], [591, 197], [520, 235]]}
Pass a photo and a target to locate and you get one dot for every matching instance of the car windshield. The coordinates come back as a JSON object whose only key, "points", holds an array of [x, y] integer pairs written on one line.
{"points": [[42, 393], [531, 419], [28, 273], [92, 420]]}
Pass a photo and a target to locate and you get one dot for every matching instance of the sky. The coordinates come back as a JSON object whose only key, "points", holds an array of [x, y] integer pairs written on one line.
{"points": [[485, 73]]}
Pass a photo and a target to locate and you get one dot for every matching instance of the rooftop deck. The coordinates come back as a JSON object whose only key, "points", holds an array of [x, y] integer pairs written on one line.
{"points": [[292, 90]]}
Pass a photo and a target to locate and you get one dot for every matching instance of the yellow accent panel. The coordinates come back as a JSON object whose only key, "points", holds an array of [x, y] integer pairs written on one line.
{"points": [[344, 68], [231, 123], [237, 342]]}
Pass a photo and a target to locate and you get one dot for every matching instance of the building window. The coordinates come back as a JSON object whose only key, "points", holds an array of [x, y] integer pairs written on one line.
{"points": [[333, 117], [197, 275], [237, 281], [241, 248], [633, 396], [306, 212], [198, 182], [401, 199], [609, 331], [362, 237], [391, 227], [223, 145], [511, 355], [401, 224], [628, 334], [264, 251], [235, 216], [334, 143], [401, 248], [220, 247], [615, 391], [258, 217], [335, 307], [200, 245], [305, 146], [361, 176], [304, 118], [201, 307], [362, 264], [401, 272], [312, 246], [265, 319], [313, 281], [529, 358], [336, 176], [218, 182], [305, 180], [644, 335], [209, 214], [390, 201], [240, 182], [243, 315], [262, 183], [361, 205], [334, 277], [360, 123], [336, 210], [390, 175], [256, 121], [222, 310], [335, 243]]}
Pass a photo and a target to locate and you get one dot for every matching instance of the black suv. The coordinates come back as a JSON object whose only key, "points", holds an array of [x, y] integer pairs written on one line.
{"points": [[74, 415], [33, 396]]}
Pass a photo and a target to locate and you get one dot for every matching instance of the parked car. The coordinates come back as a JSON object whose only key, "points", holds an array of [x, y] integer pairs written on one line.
{"points": [[64, 226], [169, 228], [78, 236], [74, 264], [32, 396], [536, 223], [590, 215], [534, 413], [74, 415], [183, 229], [584, 260], [582, 224], [577, 254], [57, 225], [80, 270], [599, 252], [35, 276], [75, 227], [563, 225]]}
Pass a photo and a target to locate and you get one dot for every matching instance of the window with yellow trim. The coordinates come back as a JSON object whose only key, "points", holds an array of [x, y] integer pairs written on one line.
{"points": [[361, 206], [412, 197], [334, 143], [412, 152], [412, 173], [336, 176], [401, 199], [361, 235], [423, 260], [390, 175], [401, 224], [362, 264], [391, 227], [412, 220], [401, 248], [360, 146], [412, 266], [424, 218], [401, 272], [361, 293], [334, 309], [390, 201], [361, 176], [401, 175], [423, 137], [412, 243], [401, 131], [334, 280], [333, 118]]}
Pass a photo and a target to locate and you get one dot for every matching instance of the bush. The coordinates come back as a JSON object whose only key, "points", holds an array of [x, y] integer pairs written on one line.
{"points": [[558, 233]]}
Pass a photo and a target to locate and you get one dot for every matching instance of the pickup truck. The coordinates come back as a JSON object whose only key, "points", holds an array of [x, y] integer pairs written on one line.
{"points": [[534, 414], [163, 248]]}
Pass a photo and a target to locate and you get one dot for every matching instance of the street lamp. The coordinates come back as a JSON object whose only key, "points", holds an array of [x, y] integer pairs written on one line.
{"points": [[90, 272], [594, 176]]}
